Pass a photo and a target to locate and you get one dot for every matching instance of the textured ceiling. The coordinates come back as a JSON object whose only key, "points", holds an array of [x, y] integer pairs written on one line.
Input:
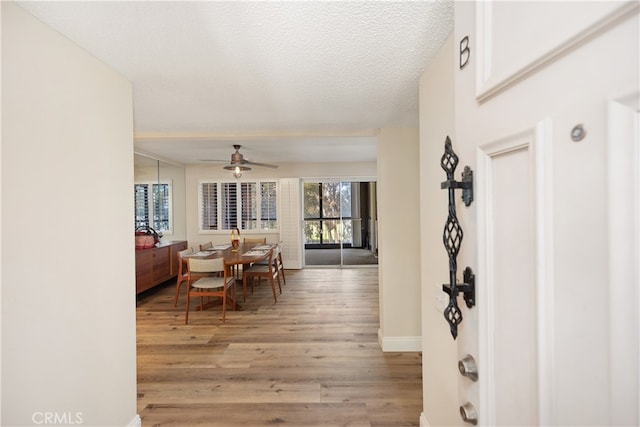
{"points": [[284, 79]]}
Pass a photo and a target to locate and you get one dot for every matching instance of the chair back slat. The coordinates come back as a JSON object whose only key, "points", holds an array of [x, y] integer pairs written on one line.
{"points": [[205, 265], [258, 240], [205, 246], [184, 252], [181, 255]]}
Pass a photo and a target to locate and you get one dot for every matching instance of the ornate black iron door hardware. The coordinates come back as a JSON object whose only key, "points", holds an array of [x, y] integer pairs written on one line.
{"points": [[452, 238]]}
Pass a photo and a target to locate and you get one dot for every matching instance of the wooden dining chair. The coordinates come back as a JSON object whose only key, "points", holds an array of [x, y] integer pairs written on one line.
{"points": [[277, 261], [205, 246], [201, 283], [182, 272], [259, 271], [279, 264], [255, 240]]}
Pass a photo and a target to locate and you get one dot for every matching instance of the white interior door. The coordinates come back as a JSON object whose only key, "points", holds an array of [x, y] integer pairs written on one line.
{"points": [[555, 334]]}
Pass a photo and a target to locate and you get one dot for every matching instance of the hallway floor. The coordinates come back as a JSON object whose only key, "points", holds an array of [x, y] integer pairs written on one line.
{"points": [[311, 359]]}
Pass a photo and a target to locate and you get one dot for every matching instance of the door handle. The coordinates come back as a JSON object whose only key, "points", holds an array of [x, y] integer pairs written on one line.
{"points": [[468, 368], [452, 238], [469, 414]]}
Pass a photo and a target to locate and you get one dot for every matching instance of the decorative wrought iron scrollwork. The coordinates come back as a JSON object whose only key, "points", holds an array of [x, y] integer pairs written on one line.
{"points": [[452, 238]]}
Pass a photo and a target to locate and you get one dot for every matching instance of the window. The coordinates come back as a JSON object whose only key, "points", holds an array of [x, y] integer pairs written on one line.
{"points": [[243, 205], [327, 214], [153, 206]]}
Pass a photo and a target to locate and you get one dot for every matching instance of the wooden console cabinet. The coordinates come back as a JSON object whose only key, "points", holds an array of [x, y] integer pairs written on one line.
{"points": [[157, 265]]}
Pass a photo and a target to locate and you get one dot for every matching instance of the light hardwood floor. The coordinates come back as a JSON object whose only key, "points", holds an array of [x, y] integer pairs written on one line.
{"points": [[312, 359]]}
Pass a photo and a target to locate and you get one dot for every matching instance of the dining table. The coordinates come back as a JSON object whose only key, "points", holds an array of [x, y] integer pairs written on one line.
{"points": [[245, 254]]}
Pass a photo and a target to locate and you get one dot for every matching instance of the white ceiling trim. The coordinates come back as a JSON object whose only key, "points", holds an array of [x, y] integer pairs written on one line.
{"points": [[240, 135]]}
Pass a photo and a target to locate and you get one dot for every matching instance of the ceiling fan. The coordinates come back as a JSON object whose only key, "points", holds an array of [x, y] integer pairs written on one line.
{"points": [[239, 164]]}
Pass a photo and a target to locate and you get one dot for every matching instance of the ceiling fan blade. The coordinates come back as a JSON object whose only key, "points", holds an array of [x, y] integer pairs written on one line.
{"points": [[237, 159], [265, 165]]}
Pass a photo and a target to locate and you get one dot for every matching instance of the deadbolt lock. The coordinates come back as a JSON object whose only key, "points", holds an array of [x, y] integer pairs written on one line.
{"points": [[468, 368], [469, 414]]}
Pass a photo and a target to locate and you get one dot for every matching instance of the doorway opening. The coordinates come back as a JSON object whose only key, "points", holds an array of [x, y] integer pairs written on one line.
{"points": [[340, 223]]}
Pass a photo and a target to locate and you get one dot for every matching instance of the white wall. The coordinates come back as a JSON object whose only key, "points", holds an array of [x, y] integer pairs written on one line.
{"points": [[439, 355], [399, 240], [68, 275]]}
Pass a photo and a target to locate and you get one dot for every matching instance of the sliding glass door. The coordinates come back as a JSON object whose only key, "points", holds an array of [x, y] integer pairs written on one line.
{"points": [[337, 223]]}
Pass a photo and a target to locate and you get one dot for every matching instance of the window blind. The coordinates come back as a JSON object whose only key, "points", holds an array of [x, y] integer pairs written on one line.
{"points": [[229, 206], [268, 206], [249, 215], [244, 205], [209, 206], [160, 207], [141, 196]]}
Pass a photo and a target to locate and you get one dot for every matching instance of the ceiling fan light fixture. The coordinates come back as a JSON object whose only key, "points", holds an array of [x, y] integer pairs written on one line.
{"points": [[237, 169]]}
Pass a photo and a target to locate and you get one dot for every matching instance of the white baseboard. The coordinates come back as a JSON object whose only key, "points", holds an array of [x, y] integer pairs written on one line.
{"points": [[424, 422], [391, 344], [135, 422]]}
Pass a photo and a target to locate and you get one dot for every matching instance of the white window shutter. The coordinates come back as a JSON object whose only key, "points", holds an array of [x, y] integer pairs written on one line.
{"points": [[141, 194], [242, 205], [290, 219], [209, 206], [249, 215], [268, 206], [229, 206]]}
